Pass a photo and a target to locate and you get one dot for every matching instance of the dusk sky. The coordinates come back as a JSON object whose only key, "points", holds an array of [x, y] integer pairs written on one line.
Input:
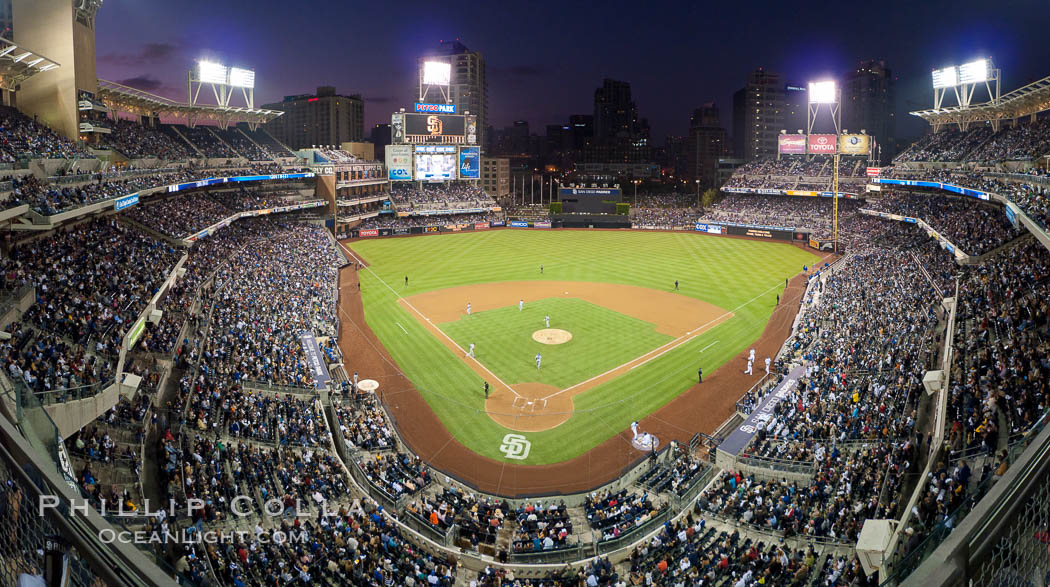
{"points": [[544, 59]]}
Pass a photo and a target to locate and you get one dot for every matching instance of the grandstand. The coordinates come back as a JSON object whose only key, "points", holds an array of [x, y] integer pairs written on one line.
{"points": [[174, 330]]}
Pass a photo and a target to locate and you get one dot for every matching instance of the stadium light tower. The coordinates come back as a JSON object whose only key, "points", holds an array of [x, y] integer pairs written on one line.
{"points": [[224, 82], [963, 80], [436, 75], [820, 94]]}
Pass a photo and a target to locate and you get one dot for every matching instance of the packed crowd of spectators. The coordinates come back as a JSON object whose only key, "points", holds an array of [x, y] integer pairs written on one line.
{"points": [[799, 212], [969, 225], [363, 424], [843, 493], [542, 527], [612, 514], [689, 552], [22, 138], [138, 141], [207, 141], [446, 196], [186, 213], [393, 221], [264, 298], [396, 473], [981, 143]]}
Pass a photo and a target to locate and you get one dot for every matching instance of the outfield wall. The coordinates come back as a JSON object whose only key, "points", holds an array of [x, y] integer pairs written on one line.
{"points": [[756, 231]]}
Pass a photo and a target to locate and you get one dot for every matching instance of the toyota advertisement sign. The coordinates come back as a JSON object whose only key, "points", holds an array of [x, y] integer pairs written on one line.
{"points": [[791, 144], [822, 144]]}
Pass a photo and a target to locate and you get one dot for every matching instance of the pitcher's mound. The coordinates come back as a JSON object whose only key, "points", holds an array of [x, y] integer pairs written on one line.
{"points": [[552, 336]]}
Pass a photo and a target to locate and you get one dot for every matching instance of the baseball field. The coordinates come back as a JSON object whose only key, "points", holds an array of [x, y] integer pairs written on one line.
{"points": [[572, 352]]}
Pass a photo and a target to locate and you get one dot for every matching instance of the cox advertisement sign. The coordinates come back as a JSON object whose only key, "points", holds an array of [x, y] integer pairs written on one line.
{"points": [[791, 144], [708, 228], [399, 162], [822, 144]]}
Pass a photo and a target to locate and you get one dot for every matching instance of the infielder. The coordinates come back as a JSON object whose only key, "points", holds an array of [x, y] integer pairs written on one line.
{"points": [[547, 320], [767, 365], [470, 353], [521, 305], [750, 356], [748, 371], [468, 308], [539, 358]]}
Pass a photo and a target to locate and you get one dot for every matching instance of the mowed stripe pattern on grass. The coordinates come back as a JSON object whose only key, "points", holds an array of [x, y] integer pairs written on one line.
{"points": [[725, 272], [503, 340]]}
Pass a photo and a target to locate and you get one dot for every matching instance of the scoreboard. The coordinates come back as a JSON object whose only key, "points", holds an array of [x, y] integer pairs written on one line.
{"points": [[433, 147], [423, 129]]}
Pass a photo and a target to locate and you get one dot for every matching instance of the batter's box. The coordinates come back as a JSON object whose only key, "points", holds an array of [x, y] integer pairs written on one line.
{"points": [[529, 405]]}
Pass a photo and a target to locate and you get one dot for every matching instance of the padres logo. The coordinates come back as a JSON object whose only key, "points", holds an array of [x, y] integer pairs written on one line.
{"points": [[434, 125], [515, 446]]}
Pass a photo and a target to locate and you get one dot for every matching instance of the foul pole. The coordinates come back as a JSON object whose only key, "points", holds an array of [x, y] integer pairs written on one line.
{"points": [[835, 204]]}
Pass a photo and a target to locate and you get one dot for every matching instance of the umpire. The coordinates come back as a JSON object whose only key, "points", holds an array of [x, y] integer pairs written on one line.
{"points": [[486, 390]]}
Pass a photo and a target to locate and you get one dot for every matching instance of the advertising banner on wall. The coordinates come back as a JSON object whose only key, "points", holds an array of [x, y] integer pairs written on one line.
{"points": [[369, 232], [822, 144], [791, 144], [469, 162], [399, 162], [854, 144]]}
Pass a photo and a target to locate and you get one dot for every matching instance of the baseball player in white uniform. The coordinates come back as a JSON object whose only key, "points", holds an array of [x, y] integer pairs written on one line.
{"points": [[470, 353], [547, 320], [748, 371], [468, 314], [767, 365], [750, 356], [539, 358], [521, 305]]}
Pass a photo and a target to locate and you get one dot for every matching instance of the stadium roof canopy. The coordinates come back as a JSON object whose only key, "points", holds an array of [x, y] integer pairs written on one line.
{"points": [[17, 64], [123, 98], [1026, 101]]}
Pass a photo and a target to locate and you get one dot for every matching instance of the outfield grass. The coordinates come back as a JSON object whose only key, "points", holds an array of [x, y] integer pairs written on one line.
{"points": [[503, 340], [740, 276]]}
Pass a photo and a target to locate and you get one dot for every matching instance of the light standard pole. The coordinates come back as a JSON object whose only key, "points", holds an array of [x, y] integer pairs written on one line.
{"points": [[698, 193]]}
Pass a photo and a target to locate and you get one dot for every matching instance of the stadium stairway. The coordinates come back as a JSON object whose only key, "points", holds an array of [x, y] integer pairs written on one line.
{"points": [[178, 133], [262, 148], [219, 138]]}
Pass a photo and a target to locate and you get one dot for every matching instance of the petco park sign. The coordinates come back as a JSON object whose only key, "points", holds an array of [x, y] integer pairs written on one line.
{"points": [[436, 108], [823, 144]]}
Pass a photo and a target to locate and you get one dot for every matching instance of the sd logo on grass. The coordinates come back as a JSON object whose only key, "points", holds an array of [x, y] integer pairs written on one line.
{"points": [[515, 446]]}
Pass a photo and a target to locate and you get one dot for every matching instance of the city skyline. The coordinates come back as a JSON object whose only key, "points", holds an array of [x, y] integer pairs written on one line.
{"points": [[544, 73]]}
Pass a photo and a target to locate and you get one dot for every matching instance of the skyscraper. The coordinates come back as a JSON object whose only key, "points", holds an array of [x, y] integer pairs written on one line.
{"points": [[615, 114], [759, 114], [468, 88], [708, 141], [868, 103]]}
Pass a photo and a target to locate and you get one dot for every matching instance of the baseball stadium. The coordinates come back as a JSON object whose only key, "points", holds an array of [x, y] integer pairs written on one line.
{"points": [[243, 345]]}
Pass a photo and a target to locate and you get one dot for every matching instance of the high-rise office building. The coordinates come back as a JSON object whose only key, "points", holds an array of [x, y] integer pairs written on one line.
{"points": [[708, 141], [468, 88], [760, 112], [325, 118], [615, 114], [868, 103]]}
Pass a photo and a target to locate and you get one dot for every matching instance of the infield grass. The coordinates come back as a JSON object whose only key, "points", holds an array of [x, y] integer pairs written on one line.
{"points": [[503, 340], [740, 276]]}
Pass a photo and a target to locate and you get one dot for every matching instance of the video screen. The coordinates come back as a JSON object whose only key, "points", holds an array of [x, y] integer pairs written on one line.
{"points": [[435, 167]]}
